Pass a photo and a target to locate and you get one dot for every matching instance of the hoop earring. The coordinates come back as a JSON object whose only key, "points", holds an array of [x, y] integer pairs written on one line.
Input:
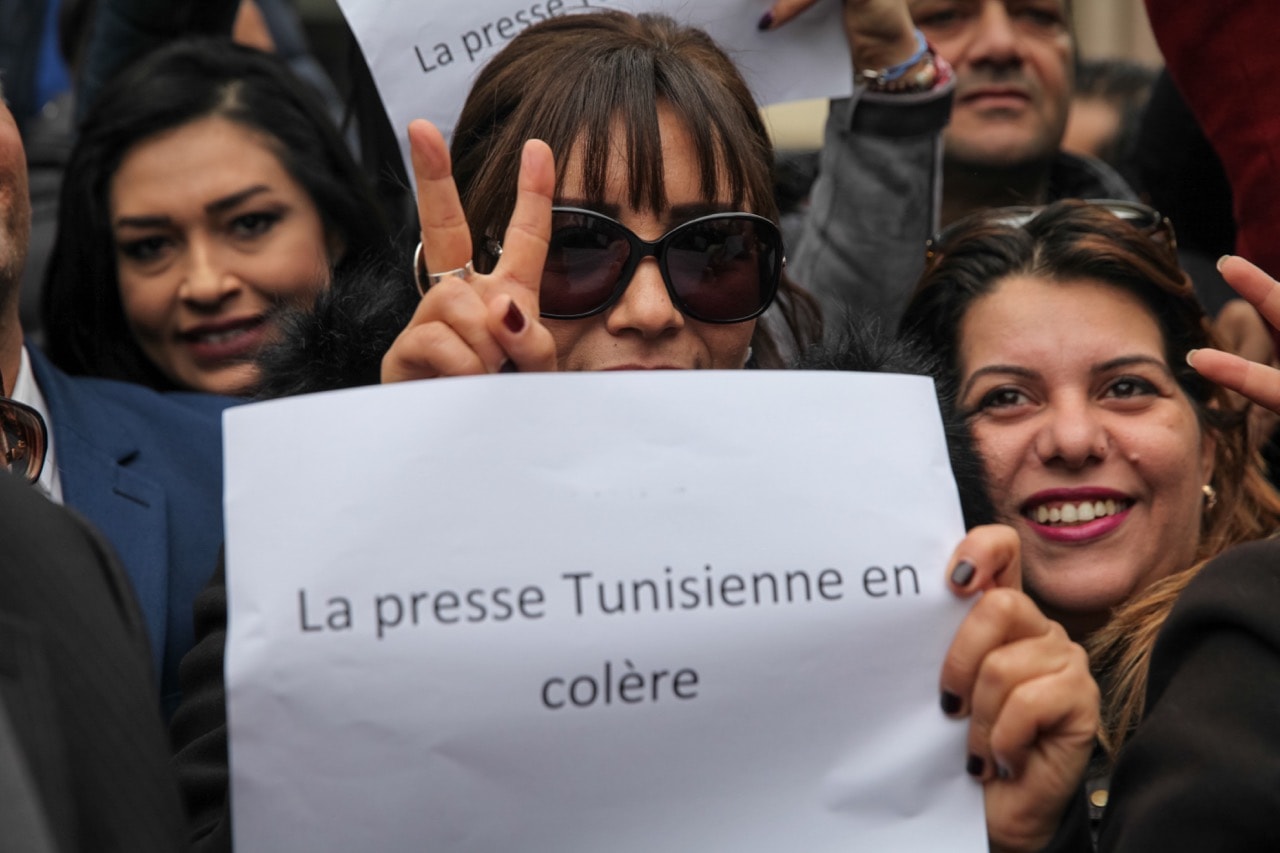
{"points": [[1210, 497]]}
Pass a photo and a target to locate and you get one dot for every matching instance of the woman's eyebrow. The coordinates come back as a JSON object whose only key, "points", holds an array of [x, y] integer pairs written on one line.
{"points": [[212, 208], [1000, 369], [142, 221], [1129, 360], [1026, 373], [228, 202]]}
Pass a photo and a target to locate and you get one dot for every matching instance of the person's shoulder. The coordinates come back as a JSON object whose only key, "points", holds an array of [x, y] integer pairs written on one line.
{"points": [[1234, 595], [1242, 581], [134, 402], [141, 396], [54, 547], [146, 428]]}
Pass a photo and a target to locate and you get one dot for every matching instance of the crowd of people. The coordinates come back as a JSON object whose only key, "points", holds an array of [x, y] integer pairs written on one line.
{"points": [[218, 239]]}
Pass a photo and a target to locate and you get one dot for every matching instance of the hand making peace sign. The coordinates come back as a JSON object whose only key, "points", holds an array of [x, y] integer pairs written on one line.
{"points": [[470, 323]]}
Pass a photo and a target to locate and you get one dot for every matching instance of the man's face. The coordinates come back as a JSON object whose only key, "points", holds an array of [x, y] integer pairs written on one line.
{"points": [[15, 206], [1014, 71]]}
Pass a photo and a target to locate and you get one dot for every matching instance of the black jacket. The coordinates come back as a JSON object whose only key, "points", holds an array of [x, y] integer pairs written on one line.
{"points": [[1202, 770]]}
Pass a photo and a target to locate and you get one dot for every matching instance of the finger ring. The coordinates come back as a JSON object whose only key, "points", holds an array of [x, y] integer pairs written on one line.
{"points": [[425, 280]]}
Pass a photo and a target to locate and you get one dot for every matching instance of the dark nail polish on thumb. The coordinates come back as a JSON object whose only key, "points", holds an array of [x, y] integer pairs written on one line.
{"points": [[513, 319], [963, 573]]}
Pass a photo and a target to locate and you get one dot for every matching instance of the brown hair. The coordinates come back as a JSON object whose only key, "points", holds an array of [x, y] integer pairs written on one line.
{"points": [[568, 80], [1072, 240]]}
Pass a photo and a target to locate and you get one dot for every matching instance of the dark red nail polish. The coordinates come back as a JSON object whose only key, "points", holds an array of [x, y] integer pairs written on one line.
{"points": [[950, 703], [765, 22], [975, 765], [513, 319], [963, 573]]}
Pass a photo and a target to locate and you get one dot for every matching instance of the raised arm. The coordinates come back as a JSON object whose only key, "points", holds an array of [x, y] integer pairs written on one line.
{"points": [[876, 198]]}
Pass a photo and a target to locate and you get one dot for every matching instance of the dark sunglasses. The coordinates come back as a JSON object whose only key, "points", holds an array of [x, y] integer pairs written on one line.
{"points": [[1146, 219], [720, 268], [23, 439]]}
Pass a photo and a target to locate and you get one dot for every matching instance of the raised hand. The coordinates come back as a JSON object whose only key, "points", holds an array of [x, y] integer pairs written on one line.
{"points": [[880, 32], [468, 323], [1258, 382]]}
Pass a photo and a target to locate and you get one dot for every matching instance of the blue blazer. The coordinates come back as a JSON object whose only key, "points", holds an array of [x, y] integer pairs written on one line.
{"points": [[144, 468]]}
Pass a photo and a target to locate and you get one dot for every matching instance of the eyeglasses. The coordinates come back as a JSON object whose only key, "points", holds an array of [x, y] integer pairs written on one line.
{"points": [[23, 439], [1146, 219], [721, 268]]}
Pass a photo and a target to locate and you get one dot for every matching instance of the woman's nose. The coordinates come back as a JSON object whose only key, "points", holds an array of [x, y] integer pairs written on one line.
{"points": [[1074, 435], [206, 280], [645, 305]]}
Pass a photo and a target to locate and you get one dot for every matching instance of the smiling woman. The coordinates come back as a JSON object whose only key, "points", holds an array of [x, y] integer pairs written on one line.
{"points": [[1121, 469], [207, 190], [1087, 438]]}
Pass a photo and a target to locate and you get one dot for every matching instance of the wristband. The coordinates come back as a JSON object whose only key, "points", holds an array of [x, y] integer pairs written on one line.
{"points": [[894, 72], [933, 70]]}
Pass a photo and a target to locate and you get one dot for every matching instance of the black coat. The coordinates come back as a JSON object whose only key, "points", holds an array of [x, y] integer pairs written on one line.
{"points": [[1202, 770], [83, 759]]}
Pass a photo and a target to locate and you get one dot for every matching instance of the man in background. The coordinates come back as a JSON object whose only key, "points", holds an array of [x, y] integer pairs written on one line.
{"points": [[976, 121]]}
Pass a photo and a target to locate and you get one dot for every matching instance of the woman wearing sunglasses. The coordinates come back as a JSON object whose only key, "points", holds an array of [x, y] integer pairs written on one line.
{"points": [[1121, 469], [673, 163]]}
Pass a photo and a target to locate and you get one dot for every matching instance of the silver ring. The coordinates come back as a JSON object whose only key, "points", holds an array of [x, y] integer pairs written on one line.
{"points": [[426, 280]]}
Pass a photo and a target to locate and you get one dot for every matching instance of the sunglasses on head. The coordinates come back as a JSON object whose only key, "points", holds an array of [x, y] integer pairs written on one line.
{"points": [[23, 439], [720, 268], [1148, 220]]}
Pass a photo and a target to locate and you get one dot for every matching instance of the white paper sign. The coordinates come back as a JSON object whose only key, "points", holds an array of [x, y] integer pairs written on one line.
{"points": [[424, 56], [686, 611]]}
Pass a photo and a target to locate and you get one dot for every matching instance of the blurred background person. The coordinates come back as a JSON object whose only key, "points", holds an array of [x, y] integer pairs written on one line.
{"points": [[1107, 103], [207, 189], [994, 120]]}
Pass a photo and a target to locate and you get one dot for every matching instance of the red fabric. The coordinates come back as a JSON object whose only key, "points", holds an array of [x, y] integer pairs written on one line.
{"points": [[1224, 57]]}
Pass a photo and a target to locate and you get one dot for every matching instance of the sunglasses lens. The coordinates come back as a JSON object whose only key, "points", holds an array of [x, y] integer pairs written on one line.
{"points": [[585, 262], [21, 441], [722, 268], [725, 269]]}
